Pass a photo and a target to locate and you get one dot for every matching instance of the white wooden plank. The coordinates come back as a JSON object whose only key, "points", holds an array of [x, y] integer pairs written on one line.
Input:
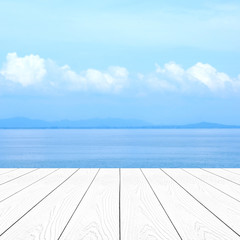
{"points": [[221, 205], [226, 187], [4, 171], [14, 187], [192, 220], [97, 215], [142, 215], [17, 206], [14, 175], [232, 170], [48, 219], [231, 177]]}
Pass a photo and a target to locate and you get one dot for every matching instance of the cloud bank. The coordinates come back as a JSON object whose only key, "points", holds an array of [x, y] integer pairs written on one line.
{"points": [[114, 79], [172, 77], [26, 70], [32, 71]]}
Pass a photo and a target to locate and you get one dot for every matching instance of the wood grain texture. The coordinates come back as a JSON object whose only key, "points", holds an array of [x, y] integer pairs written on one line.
{"points": [[97, 215], [47, 220], [227, 176], [14, 187], [14, 175], [226, 187], [142, 215], [131, 204], [17, 206], [221, 205], [191, 219]]}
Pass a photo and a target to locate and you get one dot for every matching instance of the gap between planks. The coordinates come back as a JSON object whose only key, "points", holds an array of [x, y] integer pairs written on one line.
{"points": [[119, 198]]}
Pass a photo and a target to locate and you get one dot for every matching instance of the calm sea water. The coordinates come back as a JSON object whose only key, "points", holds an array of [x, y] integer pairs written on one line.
{"points": [[120, 148]]}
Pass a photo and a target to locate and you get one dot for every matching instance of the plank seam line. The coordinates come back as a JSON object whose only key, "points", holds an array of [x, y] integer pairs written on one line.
{"points": [[18, 177], [211, 185], [27, 186], [161, 204], [119, 197], [38, 203], [230, 171], [220, 176], [78, 205], [201, 203], [9, 171]]}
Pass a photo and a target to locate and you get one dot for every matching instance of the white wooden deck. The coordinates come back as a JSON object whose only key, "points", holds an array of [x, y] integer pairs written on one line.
{"points": [[125, 204]]}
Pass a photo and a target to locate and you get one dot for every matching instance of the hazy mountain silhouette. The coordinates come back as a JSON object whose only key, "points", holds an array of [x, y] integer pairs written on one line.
{"points": [[200, 125], [18, 123], [87, 123]]}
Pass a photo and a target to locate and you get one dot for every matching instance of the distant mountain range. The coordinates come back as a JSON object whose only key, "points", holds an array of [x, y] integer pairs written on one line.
{"points": [[26, 123], [200, 125], [88, 123]]}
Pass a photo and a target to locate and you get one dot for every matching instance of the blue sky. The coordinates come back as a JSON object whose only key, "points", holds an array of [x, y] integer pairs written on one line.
{"points": [[167, 62]]}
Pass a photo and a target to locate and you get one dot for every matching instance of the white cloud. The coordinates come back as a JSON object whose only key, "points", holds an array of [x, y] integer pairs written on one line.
{"points": [[172, 77], [75, 81], [31, 70], [209, 76], [115, 79], [112, 80], [46, 76], [26, 70], [172, 70]]}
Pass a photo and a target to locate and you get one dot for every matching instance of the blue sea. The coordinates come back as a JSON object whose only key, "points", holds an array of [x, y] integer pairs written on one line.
{"points": [[120, 148]]}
